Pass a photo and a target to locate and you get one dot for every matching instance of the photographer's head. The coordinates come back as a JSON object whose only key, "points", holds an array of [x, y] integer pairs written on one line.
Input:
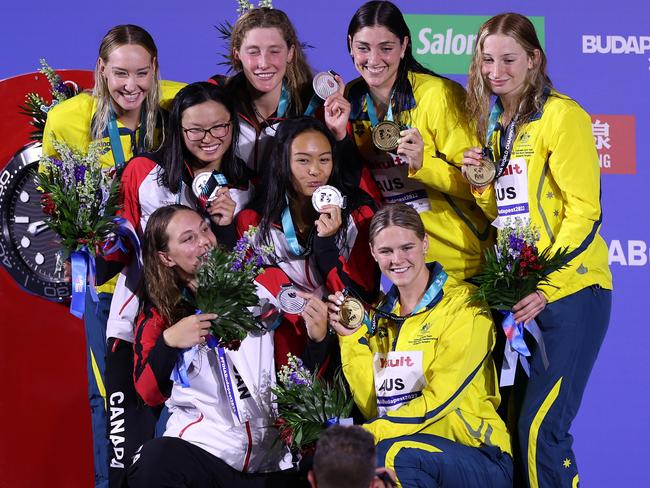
{"points": [[345, 456]]}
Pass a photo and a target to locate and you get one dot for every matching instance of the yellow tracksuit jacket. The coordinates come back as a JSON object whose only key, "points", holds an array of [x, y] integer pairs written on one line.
{"points": [[457, 228], [563, 193], [461, 394]]}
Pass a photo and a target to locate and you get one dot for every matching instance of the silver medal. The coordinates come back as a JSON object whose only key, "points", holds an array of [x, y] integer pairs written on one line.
{"points": [[327, 195], [290, 302], [199, 183], [325, 84]]}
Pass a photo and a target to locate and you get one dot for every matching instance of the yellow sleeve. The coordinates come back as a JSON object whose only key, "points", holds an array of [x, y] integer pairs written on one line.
{"points": [[440, 119], [168, 90], [462, 351], [487, 202], [356, 359], [573, 164]]}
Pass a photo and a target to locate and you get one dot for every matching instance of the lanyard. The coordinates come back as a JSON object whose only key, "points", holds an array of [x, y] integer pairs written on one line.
{"points": [[290, 234], [430, 298], [116, 143], [372, 113], [283, 103], [493, 123]]}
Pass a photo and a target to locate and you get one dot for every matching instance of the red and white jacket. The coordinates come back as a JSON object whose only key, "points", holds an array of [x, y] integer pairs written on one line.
{"points": [[331, 265], [141, 195], [201, 413]]}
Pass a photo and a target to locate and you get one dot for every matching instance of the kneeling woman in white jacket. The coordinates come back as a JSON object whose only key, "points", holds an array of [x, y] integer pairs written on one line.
{"points": [[220, 432]]}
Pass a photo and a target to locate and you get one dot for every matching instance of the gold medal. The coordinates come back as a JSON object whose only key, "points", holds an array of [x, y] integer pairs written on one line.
{"points": [[385, 135], [351, 313], [481, 175]]}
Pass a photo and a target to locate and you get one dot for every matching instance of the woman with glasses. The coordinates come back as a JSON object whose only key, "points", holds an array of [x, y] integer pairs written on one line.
{"points": [[321, 248], [123, 113], [419, 164], [199, 144], [421, 370]]}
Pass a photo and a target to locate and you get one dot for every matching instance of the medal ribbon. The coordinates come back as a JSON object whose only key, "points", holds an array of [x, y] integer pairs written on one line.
{"points": [[516, 349], [83, 271], [432, 293], [289, 231], [283, 104], [224, 370], [372, 113], [493, 123], [116, 143]]}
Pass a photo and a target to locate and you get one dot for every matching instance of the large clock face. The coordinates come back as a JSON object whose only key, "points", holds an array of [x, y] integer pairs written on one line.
{"points": [[28, 248]]}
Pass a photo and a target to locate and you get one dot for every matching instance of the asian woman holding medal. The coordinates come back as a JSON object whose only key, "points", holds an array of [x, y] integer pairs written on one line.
{"points": [[410, 129], [547, 173], [123, 113], [220, 432], [318, 227], [420, 368], [196, 166]]}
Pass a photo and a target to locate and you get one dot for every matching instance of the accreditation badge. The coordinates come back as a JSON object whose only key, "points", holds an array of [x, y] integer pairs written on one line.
{"points": [[392, 180], [399, 378], [511, 190]]}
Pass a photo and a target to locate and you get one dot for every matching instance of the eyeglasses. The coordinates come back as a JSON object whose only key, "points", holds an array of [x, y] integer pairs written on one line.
{"points": [[196, 134]]}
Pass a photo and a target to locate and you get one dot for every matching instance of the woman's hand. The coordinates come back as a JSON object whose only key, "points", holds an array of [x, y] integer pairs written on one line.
{"points": [[222, 208], [329, 221], [411, 145], [529, 307], [315, 316], [473, 157], [337, 111], [334, 306], [189, 331]]}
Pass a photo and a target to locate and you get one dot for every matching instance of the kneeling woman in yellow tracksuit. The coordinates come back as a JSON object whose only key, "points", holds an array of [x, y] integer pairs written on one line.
{"points": [[421, 369]]}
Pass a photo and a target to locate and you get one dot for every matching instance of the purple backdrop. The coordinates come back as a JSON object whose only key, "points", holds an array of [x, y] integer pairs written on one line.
{"points": [[599, 54]]}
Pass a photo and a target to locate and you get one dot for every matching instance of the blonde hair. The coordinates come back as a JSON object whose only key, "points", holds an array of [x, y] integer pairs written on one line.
{"points": [[118, 36], [531, 99], [299, 73], [398, 215]]}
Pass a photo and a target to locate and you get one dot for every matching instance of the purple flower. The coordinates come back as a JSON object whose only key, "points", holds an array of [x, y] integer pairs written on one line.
{"points": [[80, 173], [236, 265], [57, 163], [296, 379]]}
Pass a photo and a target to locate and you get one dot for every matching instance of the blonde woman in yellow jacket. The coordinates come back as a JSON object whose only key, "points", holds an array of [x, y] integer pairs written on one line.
{"points": [[424, 170], [548, 174], [421, 368], [124, 114]]}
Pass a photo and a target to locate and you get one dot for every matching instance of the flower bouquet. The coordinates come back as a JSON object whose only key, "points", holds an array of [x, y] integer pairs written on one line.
{"points": [[226, 287], [80, 201], [36, 107], [307, 404], [514, 270]]}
